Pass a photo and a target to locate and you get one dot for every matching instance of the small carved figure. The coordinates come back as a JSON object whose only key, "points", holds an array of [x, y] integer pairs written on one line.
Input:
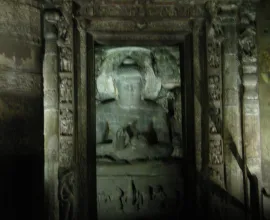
{"points": [[159, 196], [65, 59], [66, 90], [66, 123], [66, 193], [247, 41], [132, 199], [216, 154]]}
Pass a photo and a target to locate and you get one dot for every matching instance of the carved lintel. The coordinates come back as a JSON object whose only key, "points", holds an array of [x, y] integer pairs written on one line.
{"points": [[140, 9], [215, 37], [120, 25]]}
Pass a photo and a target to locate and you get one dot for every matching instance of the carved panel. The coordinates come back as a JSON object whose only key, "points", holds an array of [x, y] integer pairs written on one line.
{"points": [[214, 42], [66, 87], [141, 9], [66, 122], [66, 152], [216, 151], [144, 25], [138, 196]]}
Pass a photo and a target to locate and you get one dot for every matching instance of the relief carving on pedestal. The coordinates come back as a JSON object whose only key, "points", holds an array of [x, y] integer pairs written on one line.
{"points": [[137, 198]]}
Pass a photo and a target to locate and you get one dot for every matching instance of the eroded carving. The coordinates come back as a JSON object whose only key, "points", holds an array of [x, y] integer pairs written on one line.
{"points": [[66, 121], [158, 195], [141, 9], [66, 151], [132, 199], [66, 195], [247, 38], [66, 90], [214, 88], [216, 154], [214, 35]]}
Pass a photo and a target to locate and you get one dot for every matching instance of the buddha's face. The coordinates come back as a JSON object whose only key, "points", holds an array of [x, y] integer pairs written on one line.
{"points": [[129, 88]]}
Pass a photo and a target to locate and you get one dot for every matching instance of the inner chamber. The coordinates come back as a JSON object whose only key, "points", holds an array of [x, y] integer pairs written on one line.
{"points": [[139, 145]]}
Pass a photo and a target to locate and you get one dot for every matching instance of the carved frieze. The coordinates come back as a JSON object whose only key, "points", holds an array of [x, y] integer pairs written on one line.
{"points": [[138, 198], [144, 25], [65, 62], [141, 9], [214, 42]]}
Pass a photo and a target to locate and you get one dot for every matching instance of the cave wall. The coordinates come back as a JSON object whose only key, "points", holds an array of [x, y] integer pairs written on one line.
{"points": [[263, 24], [21, 108]]}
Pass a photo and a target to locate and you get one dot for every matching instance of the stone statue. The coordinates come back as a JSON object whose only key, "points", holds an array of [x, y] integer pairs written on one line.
{"points": [[129, 127]]}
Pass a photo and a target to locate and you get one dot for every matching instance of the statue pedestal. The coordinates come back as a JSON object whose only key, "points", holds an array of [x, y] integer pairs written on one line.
{"points": [[152, 189]]}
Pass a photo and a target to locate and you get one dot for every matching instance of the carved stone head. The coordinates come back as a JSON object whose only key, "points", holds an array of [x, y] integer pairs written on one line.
{"points": [[128, 81]]}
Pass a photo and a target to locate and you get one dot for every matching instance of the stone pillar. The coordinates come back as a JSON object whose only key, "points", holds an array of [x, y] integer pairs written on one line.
{"points": [[251, 120], [251, 116], [198, 91], [81, 150], [214, 40], [232, 110], [21, 126], [199, 106], [51, 115]]}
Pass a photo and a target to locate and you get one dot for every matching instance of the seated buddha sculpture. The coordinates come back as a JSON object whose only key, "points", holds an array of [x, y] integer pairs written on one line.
{"points": [[129, 127]]}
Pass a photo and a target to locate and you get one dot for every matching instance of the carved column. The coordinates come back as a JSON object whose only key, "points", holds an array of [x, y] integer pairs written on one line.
{"points": [[199, 112], [66, 113], [51, 115], [231, 102], [198, 90], [251, 117], [214, 73], [81, 149], [251, 120]]}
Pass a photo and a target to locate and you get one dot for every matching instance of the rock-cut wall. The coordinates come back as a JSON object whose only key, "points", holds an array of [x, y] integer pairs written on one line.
{"points": [[21, 121]]}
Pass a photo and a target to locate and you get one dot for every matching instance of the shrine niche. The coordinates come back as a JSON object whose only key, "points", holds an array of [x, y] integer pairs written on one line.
{"points": [[136, 91], [144, 98], [137, 126]]}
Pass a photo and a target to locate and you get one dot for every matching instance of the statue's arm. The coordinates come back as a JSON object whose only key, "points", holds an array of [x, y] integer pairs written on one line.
{"points": [[101, 127]]}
